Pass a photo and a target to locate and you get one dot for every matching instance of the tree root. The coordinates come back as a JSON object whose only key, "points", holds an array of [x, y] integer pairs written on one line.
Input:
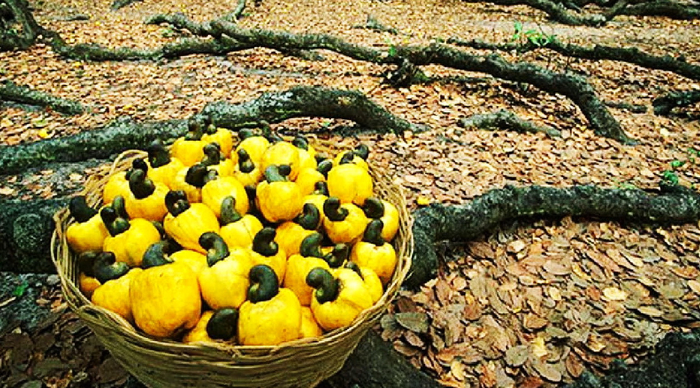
{"points": [[664, 104], [119, 4], [670, 9], [559, 11], [18, 28], [274, 107], [634, 108], [556, 11], [464, 223], [506, 120], [574, 87], [9, 91], [598, 52], [374, 25], [96, 52]]}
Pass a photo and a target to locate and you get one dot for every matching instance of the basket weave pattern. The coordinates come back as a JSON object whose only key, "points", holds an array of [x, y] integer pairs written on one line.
{"points": [[163, 363]]}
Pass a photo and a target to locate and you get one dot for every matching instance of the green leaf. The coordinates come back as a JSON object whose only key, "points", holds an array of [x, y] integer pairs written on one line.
{"points": [[677, 163], [670, 177], [20, 289]]}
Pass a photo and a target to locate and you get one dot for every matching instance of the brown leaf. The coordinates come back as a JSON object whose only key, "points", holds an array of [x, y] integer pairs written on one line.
{"points": [[443, 292], [650, 311], [534, 322], [488, 376], [472, 311], [613, 293], [574, 365], [547, 370], [694, 285], [406, 350], [413, 339], [406, 305], [482, 250], [556, 268], [531, 382], [517, 355], [416, 322], [516, 246], [603, 261]]}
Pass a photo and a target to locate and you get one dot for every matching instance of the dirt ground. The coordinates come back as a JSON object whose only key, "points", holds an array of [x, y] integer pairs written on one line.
{"points": [[532, 304]]}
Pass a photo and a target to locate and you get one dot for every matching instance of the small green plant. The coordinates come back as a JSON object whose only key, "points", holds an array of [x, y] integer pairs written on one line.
{"points": [[167, 32], [20, 289], [392, 47], [531, 36], [669, 178]]}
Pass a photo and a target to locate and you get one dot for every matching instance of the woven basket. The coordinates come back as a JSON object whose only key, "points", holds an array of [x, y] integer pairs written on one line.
{"points": [[164, 363]]}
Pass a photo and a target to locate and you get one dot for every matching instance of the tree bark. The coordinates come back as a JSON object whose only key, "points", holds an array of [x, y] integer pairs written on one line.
{"points": [[463, 223], [574, 87], [273, 107], [9, 91], [18, 29], [25, 234], [664, 104], [598, 52], [506, 120], [556, 11], [375, 364], [670, 9]]}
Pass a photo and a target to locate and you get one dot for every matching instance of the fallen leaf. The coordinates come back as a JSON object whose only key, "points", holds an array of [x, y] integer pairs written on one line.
{"points": [[613, 293], [539, 349], [517, 355], [416, 322], [650, 311]]}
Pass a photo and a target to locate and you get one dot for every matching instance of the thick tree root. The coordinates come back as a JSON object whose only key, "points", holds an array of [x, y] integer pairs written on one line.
{"points": [[555, 10], [664, 104], [306, 101], [274, 107], [116, 137], [559, 11], [375, 364], [463, 223], [9, 91], [96, 52], [674, 363], [18, 29], [182, 22], [598, 52], [670, 9], [634, 108], [572, 86], [506, 120]]}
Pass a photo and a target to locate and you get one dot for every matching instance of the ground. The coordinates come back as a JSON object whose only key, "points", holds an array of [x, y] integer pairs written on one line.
{"points": [[533, 303]]}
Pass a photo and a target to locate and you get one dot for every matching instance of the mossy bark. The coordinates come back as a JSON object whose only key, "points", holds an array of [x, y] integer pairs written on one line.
{"points": [[120, 135], [440, 222], [272, 107], [664, 104], [18, 29], [574, 87], [506, 120], [374, 364], [597, 52], [25, 235], [9, 91]]}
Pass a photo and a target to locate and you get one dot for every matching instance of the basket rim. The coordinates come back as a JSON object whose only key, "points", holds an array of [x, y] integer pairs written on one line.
{"points": [[85, 308]]}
